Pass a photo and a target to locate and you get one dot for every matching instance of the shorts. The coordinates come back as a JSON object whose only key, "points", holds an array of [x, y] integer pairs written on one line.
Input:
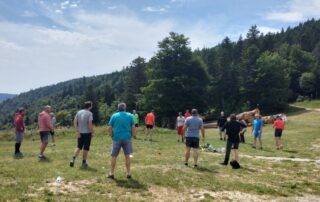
{"points": [[19, 137], [149, 126], [192, 142], [136, 125], [257, 134], [235, 145], [124, 144], [44, 136], [278, 132], [221, 129], [84, 141], [180, 130]]}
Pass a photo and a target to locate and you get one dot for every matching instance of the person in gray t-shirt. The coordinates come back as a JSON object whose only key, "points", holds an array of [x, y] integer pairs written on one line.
{"points": [[83, 124], [192, 126]]}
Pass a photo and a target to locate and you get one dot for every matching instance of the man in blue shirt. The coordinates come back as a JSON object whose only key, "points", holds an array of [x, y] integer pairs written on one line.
{"points": [[122, 129], [193, 124], [257, 130]]}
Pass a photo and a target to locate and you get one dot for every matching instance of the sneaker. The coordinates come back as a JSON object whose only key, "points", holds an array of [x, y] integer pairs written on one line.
{"points": [[42, 157], [110, 176], [281, 147], [195, 165], [220, 138], [178, 140], [186, 164], [254, 147], [71, 163], [84, 165], [129, 177], [261, 148]]}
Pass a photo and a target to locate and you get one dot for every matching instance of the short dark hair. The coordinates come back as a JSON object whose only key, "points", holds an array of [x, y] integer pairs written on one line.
{"points": [[233, 117], [194, 111], [21, 109], [122, 107], [87, 104]]}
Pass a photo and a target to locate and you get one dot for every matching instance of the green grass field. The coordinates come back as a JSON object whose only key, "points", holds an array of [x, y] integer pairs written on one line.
{"points": [[159, 173], [314, 104]]}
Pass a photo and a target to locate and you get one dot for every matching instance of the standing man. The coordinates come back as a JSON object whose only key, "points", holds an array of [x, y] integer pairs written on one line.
{"points": [[278, 126], [84, 130], [150, 123], [233, 129], [53, 122], [193, 124], [179, 126], [121, 129], [45, 127], [221, 121], [20, 127], [257, 130], [187, 114], [136, 121]]}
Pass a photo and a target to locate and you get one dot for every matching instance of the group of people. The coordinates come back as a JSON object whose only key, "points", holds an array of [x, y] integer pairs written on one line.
{"points": [[122, 128]]}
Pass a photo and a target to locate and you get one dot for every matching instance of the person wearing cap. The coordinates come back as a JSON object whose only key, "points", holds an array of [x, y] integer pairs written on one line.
{"points": [[19, 129], [257, 130], [53, 122], [191, 128], [45, 127], [121, 129], [278, 126], [233, 128]]}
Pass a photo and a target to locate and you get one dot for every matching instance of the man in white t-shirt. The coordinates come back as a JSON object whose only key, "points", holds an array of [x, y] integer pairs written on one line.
{"points": [[179, 126]]}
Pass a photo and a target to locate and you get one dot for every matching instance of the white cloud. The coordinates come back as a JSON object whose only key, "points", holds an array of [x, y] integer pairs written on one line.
{"points": [[74, 5], [9, 46], [266, 30], [153, 9], [58, 11], [64, 4], [296, 11]]}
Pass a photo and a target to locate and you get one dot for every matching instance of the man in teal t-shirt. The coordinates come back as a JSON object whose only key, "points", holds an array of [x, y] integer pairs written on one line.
{"points": [[257, 130], [121, 129]]}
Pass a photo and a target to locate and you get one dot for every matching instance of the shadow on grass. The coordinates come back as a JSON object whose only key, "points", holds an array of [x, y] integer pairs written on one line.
{"points": [[293, 110], [47, 160], [248, 169], [207, 170], [130, 184], [291, 151], [89, 169]]}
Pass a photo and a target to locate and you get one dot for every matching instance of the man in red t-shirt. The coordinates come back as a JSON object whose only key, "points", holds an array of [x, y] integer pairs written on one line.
{"points": [[187, 114], [19, 128], [278, 125], [150, 123]]}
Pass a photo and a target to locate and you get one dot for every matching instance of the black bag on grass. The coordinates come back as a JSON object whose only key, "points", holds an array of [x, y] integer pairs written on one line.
{"points": [[235, 164]]}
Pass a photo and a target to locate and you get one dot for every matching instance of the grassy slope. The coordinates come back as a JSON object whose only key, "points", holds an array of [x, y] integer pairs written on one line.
{"points": [[314, 104], [158, 170]]}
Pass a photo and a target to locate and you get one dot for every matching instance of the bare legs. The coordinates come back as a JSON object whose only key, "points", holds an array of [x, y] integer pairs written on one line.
{"points": [[195, 155], [114, 161]]}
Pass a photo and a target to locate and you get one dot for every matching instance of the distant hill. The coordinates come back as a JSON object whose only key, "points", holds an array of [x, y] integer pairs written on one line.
{"points": [[4, 96], [295, 51]]}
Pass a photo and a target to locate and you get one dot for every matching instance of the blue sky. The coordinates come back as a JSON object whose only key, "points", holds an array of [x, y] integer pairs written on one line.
{"points": [[44, 42]]}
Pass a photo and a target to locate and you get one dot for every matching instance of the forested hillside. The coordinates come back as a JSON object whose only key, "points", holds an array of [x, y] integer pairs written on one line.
{"points": [[4, 96], [266, 70]]}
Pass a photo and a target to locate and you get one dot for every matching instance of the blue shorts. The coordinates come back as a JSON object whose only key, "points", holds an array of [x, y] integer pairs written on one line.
{"points": [[126, 146], [257, 134], [19, 137]]}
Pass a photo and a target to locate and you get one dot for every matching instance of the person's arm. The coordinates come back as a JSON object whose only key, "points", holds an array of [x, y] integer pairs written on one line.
{"points": [[133, 131], [202, 133], [75, 124], [154, 121], [110, 131], [90, 126], [49, 123]]}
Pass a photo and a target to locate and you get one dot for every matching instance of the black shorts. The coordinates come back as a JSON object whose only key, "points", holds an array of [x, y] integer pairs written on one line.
{"points": [[136, 125], [235, 145], [192, 142], [84, 141], [44, 136], [149, 126], [278, 132]]}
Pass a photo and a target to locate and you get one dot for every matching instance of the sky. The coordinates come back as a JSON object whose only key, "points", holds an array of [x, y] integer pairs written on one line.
{"points": [[43, 42]]}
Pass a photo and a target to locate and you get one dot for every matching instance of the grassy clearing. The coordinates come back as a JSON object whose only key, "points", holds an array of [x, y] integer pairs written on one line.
{"points": [[158, 170], [314, 104]]}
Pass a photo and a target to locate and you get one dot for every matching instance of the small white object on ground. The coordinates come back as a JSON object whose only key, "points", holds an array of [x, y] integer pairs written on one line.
{"points": [[58, 180], [130, 155]]}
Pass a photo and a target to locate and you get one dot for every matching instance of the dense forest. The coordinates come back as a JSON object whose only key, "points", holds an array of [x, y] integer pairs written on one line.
{"points": [[269, 70]]}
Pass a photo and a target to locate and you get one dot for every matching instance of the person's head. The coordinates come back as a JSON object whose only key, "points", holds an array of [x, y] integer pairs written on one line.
{"points": [[194, 112], [122, 107], [87, 105], [233, 117], [180, 114], [187, 110], [21, 110], [134, 111], [52, 114], [47, 108], [257, 116], [278, 117], [152, 111], [222, 113]]}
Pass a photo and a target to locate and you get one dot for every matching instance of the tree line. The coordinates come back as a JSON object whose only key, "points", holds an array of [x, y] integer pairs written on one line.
{"points": [[268, 70]]}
